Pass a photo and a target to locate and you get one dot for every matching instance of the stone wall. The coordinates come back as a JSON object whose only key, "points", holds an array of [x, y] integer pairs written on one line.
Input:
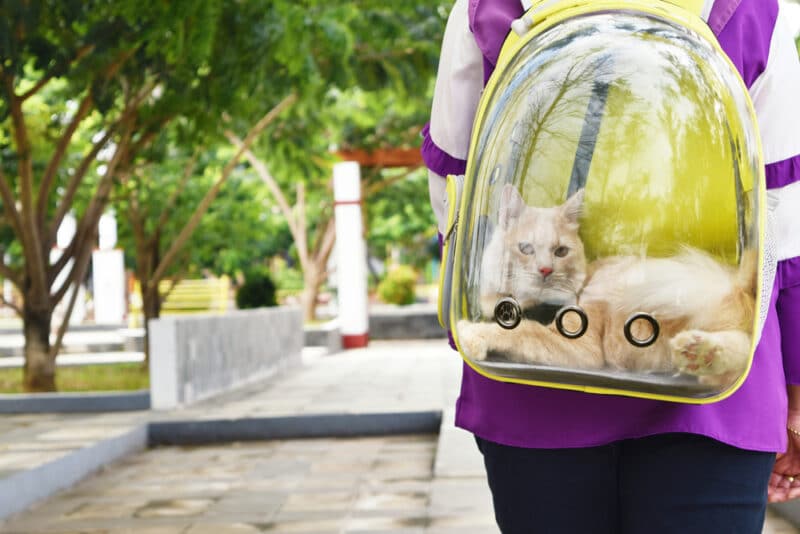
{"points": [[195, 357], [405, 322]]}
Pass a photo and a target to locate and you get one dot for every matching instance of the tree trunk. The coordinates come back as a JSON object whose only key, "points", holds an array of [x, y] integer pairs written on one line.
{"points": [[151, 309], [311, 284], [148, 257], [40, 367]]}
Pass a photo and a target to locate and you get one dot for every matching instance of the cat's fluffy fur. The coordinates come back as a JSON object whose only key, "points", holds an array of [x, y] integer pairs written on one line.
{"points": [[705, 309]]}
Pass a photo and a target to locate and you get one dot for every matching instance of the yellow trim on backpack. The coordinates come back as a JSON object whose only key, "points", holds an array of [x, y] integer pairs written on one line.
{"points": [[447, 238], [685, 13]]}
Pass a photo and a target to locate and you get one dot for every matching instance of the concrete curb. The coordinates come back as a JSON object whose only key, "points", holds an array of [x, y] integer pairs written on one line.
{"points": [[325, 335], [75, 402], [292, 427], [20, 490], [405, 323]]}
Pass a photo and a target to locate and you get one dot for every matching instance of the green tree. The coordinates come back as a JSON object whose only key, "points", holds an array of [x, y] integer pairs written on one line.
{"points": [[114, 77], [401, 220], [386, 108], [118, 72], [90, 89], [326, 49]]}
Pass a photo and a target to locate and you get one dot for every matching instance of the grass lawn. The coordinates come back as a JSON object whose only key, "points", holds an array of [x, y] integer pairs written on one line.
{"points": [[111, 377]]}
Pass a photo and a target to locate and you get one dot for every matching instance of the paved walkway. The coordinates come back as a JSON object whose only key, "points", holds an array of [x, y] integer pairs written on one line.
{"points": [[401, 484], [323, 486]]}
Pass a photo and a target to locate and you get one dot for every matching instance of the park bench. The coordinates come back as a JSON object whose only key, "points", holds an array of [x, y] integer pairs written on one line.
{"points": [[202, 295]]}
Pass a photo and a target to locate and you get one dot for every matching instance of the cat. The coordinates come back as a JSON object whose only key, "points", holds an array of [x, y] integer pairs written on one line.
{"points": [[705, 309]]}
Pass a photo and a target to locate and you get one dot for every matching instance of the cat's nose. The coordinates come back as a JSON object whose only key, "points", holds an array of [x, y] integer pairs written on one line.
{"points": [[545, 271]]}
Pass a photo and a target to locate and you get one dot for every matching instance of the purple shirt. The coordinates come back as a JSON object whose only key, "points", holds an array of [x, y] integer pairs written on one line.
{"points": [[754, 417]]}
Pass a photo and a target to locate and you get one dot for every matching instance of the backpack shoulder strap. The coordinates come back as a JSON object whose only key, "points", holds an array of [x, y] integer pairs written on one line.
{"points": [[720, 12], [701, 8], [693, 6]]}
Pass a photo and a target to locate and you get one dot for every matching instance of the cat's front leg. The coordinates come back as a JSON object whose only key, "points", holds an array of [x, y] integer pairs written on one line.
{"points": [[473, 339], [701, 353], [477, 340]]}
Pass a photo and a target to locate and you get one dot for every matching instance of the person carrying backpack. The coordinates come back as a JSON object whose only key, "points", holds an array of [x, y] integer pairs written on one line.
{"points": [[566, 461]]}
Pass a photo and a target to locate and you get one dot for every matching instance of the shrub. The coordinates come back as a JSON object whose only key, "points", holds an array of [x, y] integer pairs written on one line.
{"points": [[398, 286], [257, 291]]}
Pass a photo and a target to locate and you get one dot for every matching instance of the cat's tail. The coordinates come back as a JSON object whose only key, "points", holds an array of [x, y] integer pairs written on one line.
{"points": [[689, 284]]}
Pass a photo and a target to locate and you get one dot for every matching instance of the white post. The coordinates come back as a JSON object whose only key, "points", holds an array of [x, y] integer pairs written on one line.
{"points": [[351, 255], [108, 275]]}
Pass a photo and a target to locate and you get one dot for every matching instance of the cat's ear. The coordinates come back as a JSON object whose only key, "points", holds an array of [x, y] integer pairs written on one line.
{"points": [[511, 205], [573, 207]]}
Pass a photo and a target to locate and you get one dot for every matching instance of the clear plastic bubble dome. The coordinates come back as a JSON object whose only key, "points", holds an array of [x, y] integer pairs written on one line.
{"points": [[609, 236]]}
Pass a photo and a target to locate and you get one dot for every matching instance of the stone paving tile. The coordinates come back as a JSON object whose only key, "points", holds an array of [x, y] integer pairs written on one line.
{"points": [[287, 486], [415, 379], [778, 525]]}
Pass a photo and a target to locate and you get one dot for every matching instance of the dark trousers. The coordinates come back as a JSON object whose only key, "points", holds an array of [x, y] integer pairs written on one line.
{"points": [[667, 484]]}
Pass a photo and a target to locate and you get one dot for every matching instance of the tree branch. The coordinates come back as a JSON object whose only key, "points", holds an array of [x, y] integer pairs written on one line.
{"points": [[10, 274], [75, 181], [58, 155], [88, 223], [270, 182], [10, 206], [302, 236], [65, 204], [167, 211], [209, 197], [11, 305], [137, 223], [49, 75], [326, 243], [76, 276], [31, 239]]}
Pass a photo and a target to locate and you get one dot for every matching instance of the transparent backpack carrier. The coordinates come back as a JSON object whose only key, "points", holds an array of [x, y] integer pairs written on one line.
{"points": [[608, 234]]}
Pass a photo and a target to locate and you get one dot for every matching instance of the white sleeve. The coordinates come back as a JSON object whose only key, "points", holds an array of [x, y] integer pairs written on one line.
{"points": [[776, 98], [776, 94], [459, 84]]}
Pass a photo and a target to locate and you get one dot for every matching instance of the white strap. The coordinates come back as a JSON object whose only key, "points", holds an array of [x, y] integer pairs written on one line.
{"points": [[787, 221], [707, 6]]}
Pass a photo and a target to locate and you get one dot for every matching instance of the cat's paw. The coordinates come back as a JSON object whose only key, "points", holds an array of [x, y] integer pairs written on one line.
{"points": [[472, 341], [696, 352]]}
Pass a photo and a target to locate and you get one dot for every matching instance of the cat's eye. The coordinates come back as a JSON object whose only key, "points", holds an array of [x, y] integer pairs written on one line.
{"points": [[561, 251], [526, 248]]}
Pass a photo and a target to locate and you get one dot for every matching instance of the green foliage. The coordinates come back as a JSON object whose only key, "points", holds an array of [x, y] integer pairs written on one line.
{"points": [[400, 218], [185, 71], [288, 279], [398, 287], [257, 291], [320, 51], [240, 229]]}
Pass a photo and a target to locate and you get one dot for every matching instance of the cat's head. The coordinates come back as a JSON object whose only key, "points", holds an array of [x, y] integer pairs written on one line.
{"points": [[545, 261]]}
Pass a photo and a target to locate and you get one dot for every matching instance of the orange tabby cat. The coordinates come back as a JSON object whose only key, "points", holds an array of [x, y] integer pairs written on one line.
{"points": [[704, 308]]}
